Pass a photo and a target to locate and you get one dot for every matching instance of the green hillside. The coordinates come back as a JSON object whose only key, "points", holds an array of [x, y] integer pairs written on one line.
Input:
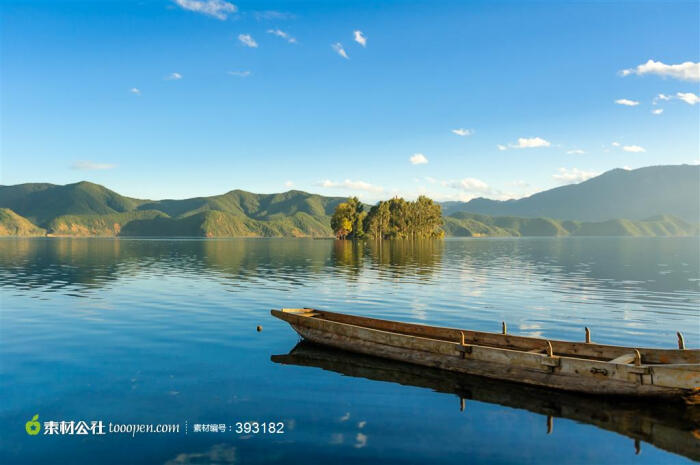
{"points": [[256, 206], [41, 203], [12, 224], [634, 194], [111, 224], [468, 224], [87, 209]]}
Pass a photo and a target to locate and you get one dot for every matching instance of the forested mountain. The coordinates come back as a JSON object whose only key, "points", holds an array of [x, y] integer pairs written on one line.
{"points": [[658, 200], [632, 194], [87, 209]]}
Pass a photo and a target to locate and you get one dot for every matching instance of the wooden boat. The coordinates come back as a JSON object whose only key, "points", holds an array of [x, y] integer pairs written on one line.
{"points": [[671, 426], [571, 366]]}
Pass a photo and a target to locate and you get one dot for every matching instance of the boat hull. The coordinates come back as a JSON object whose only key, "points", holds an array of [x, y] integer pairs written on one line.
{"points": [[538, 369]]}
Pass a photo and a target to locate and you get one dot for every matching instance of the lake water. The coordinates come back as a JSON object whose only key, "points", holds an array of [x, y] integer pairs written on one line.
{"points": [[164, 332]]}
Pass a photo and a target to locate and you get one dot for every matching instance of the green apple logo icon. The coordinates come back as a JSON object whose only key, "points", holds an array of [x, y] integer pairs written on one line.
{"points": [[33, 426]]}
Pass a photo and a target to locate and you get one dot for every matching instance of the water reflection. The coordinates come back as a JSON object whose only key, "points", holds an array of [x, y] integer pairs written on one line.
{"points": [[672, 427], [396, 258], [647, 265]]}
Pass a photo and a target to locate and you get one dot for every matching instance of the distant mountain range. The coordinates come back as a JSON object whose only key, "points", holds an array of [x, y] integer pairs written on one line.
{"points": [[659, 200], [631, 194]]}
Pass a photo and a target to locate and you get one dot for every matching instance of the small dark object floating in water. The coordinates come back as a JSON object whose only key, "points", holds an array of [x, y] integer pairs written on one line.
{"points": [[572, 366]]}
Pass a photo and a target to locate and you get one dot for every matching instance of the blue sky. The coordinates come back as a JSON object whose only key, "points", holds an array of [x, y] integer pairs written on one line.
{"points": [[179, 98]]}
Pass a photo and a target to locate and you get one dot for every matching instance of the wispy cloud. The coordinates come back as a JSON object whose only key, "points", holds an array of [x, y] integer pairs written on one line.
{"points": [[219, 9], [360, 441], [418, 159], [289, 184], [283, 35], [338, 47], [173, 77], [471, 185], [463, 132], [239, 73], [86, 165], [359, 37], [501, 147], [135, 91], [627, 102], [351, 185], [527, 143], [272, 15], [615, 144], [688, 97], [688, 71], [573, 175], [657, 111], [247, 40], [633, 148], [575, 152]]}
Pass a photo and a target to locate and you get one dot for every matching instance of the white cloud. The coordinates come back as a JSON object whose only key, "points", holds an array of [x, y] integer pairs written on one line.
{"points": [[463, 132], [501, 147], [687, 71], [574, 175], [360, 38], [352, 185], [430, 179], [633, 148], [530, 142], [338, 47], [247, 40], [418, 159], [135, 91], [688, 97], [658, 111], [627, 102], [615, 144], [173, 76], [575, 152], [282, 34], [239, 73], [289, 184], [471, 185], [219, 9], [86, 165]]}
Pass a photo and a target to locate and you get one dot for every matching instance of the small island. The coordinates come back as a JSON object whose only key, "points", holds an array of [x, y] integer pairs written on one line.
{"points": [[391, 219]]}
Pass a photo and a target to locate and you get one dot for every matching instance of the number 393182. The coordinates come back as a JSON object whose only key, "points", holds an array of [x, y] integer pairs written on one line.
{"points": [[254, 427]]}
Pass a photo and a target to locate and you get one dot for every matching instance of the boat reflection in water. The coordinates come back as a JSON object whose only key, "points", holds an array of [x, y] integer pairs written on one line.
{"points": [[669, 426]]}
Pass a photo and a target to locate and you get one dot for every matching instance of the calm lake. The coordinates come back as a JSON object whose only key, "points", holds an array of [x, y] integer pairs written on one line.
{"points": [[164, 332]]}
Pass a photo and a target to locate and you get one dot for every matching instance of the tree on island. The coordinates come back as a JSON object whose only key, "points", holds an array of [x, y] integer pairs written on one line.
{"points": [[390, 219]]}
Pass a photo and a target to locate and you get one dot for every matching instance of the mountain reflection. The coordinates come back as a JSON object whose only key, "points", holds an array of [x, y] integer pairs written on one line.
{"points": [[650, 268]]}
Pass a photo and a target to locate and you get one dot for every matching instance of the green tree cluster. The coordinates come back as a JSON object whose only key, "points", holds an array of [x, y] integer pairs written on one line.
{"points": [[390, 219], [348, 219]]}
